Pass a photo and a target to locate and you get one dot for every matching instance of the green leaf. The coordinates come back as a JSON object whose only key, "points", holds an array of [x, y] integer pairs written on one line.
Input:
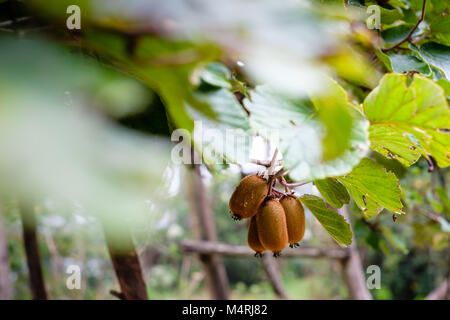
{"points": [[226, 136], [395, 34], [334, 111], [402, 63], [394, 239], [333, 222], [446, 86], [435, 54], [373, 188], [409, 121], [333, 192], [385, 59], [217, 74], [440, 29], [389, 16], [296, 129]]}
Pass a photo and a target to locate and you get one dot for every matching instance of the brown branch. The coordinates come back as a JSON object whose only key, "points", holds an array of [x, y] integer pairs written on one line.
{"points": [[210, 247], [117, 294], [33, 256], [126, 263], [410, 33]]}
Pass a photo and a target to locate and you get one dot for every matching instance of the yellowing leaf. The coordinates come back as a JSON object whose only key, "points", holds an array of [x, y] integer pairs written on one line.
{"points": [[407, 121]]}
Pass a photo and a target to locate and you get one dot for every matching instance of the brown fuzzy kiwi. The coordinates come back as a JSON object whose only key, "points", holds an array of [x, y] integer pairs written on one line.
{"points": [[248, 196], [253, 239], [271, 224], [295, 218]]}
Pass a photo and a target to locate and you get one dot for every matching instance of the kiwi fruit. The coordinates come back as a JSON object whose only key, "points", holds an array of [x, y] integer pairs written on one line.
{"points": [[248, 196], [253, 238], [271, 225], [295, 219]]}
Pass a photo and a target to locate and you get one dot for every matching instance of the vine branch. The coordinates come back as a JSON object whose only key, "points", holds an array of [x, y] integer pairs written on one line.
{"points": [[410, 33]]}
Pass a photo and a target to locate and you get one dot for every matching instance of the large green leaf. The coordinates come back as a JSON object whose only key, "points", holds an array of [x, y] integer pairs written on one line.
{"points": [[301, 132], [373, 188], [333, 110], [333, 222], [407, 121], [333, 192], [225, 137]]}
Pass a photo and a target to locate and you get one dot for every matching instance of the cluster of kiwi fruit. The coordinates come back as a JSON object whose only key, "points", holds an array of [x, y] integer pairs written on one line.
{"points": [[274, 222]]}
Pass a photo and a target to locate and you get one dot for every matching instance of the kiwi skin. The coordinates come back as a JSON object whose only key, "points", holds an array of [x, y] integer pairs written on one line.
{"points": [[271, 225], [248, 196], [295, 218], [253, 238]]}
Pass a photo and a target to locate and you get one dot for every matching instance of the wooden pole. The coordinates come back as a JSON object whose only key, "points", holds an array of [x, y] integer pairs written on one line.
{"points": [[205, 229], [353, 269], [273, 273], [37, 284], [126, 264]]}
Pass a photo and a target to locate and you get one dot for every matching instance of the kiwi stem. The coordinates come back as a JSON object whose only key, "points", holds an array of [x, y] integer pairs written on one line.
{"points": [[265, 163], [273, 162], [292, 184], [277, 193], [283, 180]]}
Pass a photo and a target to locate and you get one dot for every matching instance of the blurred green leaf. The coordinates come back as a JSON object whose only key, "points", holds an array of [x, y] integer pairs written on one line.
{"points": [[333, 110], [389, 16], [394, 239], [217, 74], [225, 137], [301, 134]]}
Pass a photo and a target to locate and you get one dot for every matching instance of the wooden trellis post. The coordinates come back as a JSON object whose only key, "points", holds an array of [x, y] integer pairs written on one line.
{"points": [[205, 229]]}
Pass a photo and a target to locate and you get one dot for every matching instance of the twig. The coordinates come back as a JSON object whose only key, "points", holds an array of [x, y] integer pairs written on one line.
{"points": [[433, 217], [426, 34], [11, 22], [410, 33], [209, 247], [292, 184], [117, 294], [265, 163], [278, 193], [284, 182]]}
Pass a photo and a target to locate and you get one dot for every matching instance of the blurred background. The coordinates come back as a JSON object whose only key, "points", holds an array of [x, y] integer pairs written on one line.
{"points": [[86, 176]]}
